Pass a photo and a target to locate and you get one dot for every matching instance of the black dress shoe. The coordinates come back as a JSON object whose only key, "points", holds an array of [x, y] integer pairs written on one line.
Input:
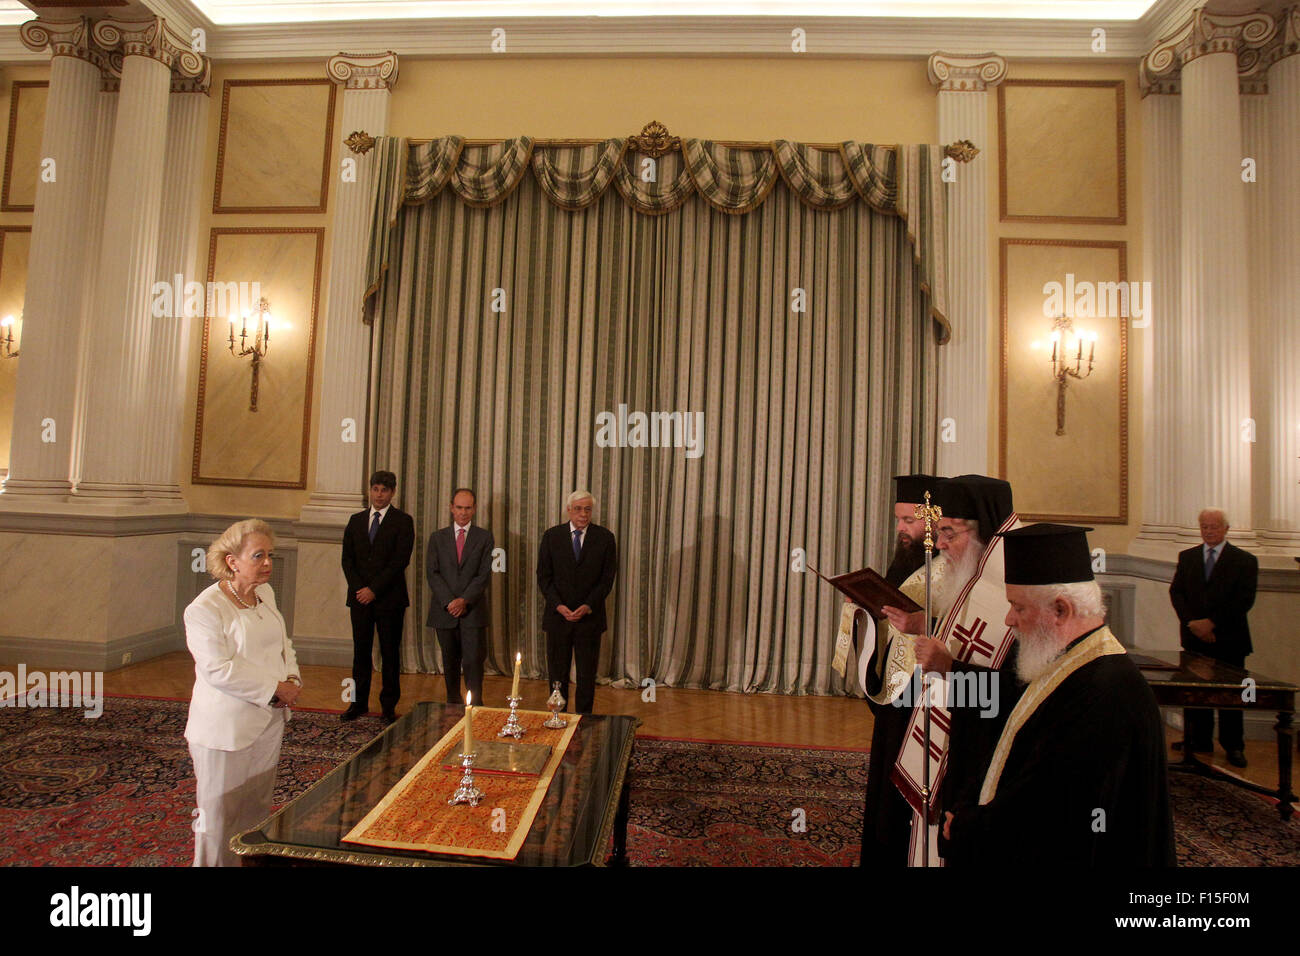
{"points": [[1237, 758], [390, 716], [352, 713]]}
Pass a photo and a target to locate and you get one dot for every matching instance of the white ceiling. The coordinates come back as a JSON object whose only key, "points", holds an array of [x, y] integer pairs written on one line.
{"points": [[310, 11]]}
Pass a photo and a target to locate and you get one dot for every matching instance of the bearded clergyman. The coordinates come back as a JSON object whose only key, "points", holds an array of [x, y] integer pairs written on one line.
{"points": [[886, 819], [968, 693], [1078, 775]]}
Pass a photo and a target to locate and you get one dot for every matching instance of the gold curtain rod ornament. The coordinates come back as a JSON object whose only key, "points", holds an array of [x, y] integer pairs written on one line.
{"points": [[655, 141]]}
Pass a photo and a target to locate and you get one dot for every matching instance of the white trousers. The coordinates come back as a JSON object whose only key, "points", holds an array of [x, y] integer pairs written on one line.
{"points": [[234, 788]]}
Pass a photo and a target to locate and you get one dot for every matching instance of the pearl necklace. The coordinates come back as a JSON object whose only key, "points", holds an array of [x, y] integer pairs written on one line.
{"points": [[235, 594]]}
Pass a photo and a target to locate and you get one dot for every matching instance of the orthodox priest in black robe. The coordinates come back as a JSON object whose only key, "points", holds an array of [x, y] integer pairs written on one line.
{"points": [[1078, 777], [887, 817]]}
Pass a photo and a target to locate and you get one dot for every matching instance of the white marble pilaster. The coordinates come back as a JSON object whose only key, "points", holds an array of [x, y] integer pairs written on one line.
{"points": [[1215, 424], [964, 83], [178, 250], [45, 401], [122, 340], [340, 466], [1162, 345], [1277, 512]]}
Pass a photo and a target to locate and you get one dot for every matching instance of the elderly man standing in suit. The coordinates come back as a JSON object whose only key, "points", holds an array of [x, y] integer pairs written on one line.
{"points": [[575, 571], [377, 547], [1212, 591], [459, 563]]}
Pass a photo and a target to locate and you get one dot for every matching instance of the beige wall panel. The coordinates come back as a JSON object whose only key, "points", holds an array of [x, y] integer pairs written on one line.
{"points": [[23, 144], [741, 98], [320, 608], [274, 146], [14, 245], [57, 586], [1082, 474], [1061, 150], [267, 447]]}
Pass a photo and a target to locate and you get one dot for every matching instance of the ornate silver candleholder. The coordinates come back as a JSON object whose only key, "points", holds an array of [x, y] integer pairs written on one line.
{"points": [[466, 792], [556, 703], [513, 728]]}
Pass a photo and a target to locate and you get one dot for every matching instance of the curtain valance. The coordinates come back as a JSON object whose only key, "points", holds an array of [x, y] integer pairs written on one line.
{"points": [[903, 181]]}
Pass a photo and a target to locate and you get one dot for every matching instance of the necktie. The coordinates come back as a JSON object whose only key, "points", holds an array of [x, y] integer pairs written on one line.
{"points": [[374, 527], [577, 544], [460, 544], [1209, 564]]}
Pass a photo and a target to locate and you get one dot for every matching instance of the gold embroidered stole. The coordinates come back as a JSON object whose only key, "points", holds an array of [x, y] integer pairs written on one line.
{"points": [[1100, 643]]}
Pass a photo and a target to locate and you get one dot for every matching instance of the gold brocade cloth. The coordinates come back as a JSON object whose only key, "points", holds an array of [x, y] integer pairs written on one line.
{"points": [[414, 815]]}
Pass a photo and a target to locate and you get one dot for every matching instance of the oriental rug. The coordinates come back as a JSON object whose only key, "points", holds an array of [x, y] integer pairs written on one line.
{"points": [[119, 791]]}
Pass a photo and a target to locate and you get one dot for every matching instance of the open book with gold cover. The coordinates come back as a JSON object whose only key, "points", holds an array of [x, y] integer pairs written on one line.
{"points": [[868, 589]]}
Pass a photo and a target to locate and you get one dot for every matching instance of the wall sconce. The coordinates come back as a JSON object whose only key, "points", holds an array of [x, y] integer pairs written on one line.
{"points": [[261, 338], [1064, 341], [7, 336]]}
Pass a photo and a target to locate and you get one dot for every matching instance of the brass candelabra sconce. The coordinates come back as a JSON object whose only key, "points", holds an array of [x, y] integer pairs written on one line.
{"points": [[260, 337], [1066, 340], [7, 336]]}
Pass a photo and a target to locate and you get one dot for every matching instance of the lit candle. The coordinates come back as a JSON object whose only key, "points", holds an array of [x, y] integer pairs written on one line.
{"points": [[514, 688], [469, 726]]}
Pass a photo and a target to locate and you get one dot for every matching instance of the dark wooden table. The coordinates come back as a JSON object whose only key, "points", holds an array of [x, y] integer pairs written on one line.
{"points": [[1187, 680], [586, 803]]}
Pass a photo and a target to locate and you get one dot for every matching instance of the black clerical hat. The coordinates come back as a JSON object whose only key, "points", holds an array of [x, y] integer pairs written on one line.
{"points": [[911, 489], [977, 498], [1047, 554]]}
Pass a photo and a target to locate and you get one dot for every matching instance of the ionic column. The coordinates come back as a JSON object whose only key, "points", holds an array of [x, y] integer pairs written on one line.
{"points": [[1215, 425], [964, 82], [178, 248], [1277, 512], [45, 404], [121, 341], [1162, 348], [340, 466]]}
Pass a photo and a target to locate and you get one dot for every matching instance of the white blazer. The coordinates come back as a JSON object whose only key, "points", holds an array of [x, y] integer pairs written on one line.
{"points": [[235, 674]]}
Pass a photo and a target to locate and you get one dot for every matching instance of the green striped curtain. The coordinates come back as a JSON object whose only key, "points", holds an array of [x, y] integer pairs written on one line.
{"points": [[517, 297]]}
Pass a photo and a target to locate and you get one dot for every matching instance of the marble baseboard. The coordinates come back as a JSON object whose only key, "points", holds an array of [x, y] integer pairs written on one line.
{"points": [[43, 653], [324, 651]]}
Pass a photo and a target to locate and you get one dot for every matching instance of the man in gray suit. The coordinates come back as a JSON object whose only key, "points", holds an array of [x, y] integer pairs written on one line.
{"points": [[459, 562]]}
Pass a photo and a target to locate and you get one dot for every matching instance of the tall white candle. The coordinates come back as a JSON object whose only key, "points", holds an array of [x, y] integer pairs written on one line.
{"points": [[514, 688]]}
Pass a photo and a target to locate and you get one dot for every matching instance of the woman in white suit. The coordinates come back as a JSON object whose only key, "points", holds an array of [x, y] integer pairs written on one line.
{"points": [[245, 680]]}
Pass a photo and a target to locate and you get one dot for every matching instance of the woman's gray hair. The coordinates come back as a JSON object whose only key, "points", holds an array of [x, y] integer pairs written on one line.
{"points": [[1084, 596], [231, 541], [580, 495]]}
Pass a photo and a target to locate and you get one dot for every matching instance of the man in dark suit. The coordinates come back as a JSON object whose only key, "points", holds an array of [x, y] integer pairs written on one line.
{"points": [[376, 550], [1212, 591], [459, 564], [575, 571]]}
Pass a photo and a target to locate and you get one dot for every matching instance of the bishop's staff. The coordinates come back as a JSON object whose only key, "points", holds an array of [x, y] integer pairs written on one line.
{"points": [[930, 514]]}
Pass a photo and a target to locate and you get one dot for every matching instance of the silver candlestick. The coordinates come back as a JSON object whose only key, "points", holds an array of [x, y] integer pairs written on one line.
{"points": [[466, 792], [513, 728], [556, 703]]}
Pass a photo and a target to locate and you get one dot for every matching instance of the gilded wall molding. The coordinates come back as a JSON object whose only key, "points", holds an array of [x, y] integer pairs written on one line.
{"points": [[1242, 35], [218, 204], [15, 92], [1121, 157], [957, 72], [363, 71], [1121, 249]]}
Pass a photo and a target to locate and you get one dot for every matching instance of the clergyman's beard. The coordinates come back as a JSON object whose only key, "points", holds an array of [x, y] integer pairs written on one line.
{"points": [[956, 574], [908, 554], [1037, 649]]}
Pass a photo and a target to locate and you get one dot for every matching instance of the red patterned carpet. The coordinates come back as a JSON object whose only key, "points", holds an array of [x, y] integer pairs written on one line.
{"points": [[119, 790]]}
